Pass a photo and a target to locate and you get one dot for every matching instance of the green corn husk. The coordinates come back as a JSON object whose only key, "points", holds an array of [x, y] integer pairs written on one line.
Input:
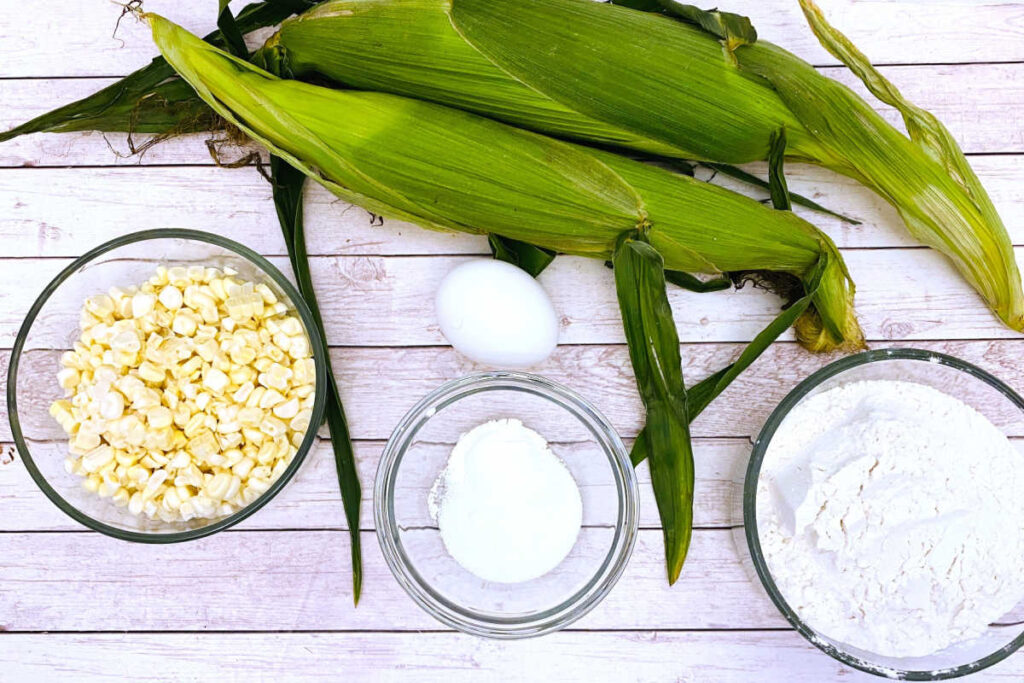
{"points": [[155, 101], [447, 169], [617, 76]]}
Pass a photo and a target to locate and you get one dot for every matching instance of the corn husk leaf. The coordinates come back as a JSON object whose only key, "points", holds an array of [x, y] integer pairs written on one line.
{"points": [[530, 258], [287, 187], [703, 393], [796, 198], [778, 188], [654, 352], [732, 29], [234, 42], [707, 390], [695, 284]]}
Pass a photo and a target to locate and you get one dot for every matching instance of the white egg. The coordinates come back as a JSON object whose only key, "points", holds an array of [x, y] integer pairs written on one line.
{"points": [[496, 314]]}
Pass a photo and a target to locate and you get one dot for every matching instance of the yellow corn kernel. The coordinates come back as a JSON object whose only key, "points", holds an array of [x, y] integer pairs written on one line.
{"points": [[255, 397], [100, 305], [178, 276], [300, 423], [92, 483], [216, 381], [299, 348], [125, 458], [252, 435], [68, 378], [170, 298], [111, 406], [151, 373], [203, 400], [288, 409], [84, 441], [203, 445], [243, 467], [270, 398], [143, 304], [243, 355], [145, 398], [97, 458], [185, 323], [268, 294], [121, 497], [272, 427], [159, 417]]}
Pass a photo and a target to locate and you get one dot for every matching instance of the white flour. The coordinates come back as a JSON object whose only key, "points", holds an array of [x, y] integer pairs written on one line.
{"points": [[891, 518], [507, 507]]}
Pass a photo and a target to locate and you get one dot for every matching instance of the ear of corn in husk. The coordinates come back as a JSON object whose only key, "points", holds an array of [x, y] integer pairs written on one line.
{"points": [[447, 169], [617, 76]]}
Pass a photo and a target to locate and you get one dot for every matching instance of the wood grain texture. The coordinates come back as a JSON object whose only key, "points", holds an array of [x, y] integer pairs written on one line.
{"points": [[86, 39], [310, 501], [300, 580], [378, 385], [886, 31], [724, 657], [903, 295], [65, 212], [709, 657]]}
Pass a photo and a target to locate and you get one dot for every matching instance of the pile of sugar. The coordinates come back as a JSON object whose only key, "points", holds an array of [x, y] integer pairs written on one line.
{"points": [[891, 519], [508, 509]]}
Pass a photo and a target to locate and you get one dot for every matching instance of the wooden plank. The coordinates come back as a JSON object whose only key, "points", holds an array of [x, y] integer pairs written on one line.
{"points": [[902, 294], [65, 212], [900, 31], [301, 580], [311, 499], [378, 385], [68, 40], [974, 100], [709, 657], [65, 41]]}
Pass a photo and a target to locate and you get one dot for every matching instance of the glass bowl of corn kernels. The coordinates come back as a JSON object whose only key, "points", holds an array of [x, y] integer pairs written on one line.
{"points": [[166, 385]]}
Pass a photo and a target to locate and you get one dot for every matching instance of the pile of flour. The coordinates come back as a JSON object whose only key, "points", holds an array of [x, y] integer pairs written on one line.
{"points": [[891, 516]]}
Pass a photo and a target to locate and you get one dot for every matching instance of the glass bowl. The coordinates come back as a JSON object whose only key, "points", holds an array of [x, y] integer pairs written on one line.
{"points": [[975, 387], [578, 434], [52, 325]]}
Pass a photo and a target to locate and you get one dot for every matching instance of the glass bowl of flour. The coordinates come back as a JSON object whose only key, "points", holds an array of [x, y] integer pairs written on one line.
{"points": [[883, 513], [506, 505]]}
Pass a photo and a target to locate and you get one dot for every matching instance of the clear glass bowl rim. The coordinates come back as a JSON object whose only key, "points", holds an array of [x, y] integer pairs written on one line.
{"points": [[319, 404], [750, 504], [554, 618]]}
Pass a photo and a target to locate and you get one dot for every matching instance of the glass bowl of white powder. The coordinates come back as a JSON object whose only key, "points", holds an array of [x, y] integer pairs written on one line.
{"points": [[883, 514], [506, 505]]}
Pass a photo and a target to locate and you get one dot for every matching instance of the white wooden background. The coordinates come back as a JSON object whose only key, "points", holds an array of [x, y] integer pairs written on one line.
{"points": [[271, 599]]}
